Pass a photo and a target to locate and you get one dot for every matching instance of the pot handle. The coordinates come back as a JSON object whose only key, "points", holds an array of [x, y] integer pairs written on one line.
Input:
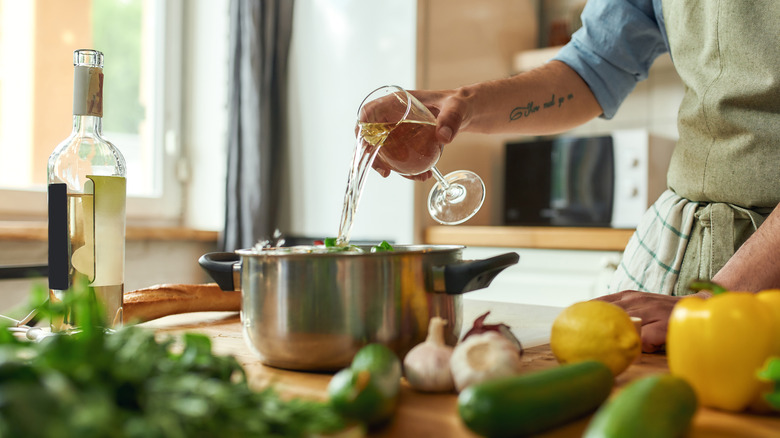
{"points": [[471, 275], [224, 268]]}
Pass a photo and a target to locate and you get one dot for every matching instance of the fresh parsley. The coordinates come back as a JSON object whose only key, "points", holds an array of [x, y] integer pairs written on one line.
{"points": [[96, 382]]}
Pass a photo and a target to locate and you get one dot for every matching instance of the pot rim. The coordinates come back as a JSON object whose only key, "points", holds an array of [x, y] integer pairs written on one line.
{"points": [[398, 249]]}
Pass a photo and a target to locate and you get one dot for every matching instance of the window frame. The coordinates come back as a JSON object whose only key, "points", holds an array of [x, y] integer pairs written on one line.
{"points": [[165, 207]]}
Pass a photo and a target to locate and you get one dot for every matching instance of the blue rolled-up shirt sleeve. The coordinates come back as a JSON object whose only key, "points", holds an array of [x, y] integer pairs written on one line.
{"points": [[615, 47]]}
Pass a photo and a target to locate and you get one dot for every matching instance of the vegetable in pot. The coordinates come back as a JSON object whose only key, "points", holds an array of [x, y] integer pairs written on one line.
{"points": [[332, 244], [382, 247], [427, 365]]}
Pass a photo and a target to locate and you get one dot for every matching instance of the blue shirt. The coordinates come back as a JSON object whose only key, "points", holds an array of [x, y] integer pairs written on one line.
{"points": [[615, 47]]}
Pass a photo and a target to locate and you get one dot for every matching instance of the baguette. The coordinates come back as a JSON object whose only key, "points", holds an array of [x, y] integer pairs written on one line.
{"points": [[154, 302]]}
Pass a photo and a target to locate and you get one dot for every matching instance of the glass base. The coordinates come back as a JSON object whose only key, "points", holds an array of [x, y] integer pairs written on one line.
{"points": [[460, 201]]}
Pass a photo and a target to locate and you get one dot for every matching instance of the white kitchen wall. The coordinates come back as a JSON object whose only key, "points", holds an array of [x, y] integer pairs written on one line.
{"points": [[341, 51]]}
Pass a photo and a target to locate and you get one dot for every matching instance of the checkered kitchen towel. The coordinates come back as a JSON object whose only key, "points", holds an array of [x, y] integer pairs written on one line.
{"points": [[653, 257]]}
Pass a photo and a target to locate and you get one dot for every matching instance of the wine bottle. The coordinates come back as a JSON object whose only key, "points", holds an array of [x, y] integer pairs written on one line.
{"points": [[87, 192]]}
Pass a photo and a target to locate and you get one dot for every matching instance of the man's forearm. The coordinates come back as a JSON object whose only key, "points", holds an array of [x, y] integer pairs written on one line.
{"points": [[550, 99], [756, 265]]}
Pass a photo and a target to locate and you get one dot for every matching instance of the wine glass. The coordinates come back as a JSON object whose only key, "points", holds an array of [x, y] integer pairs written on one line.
{"points": [[404, 131]]}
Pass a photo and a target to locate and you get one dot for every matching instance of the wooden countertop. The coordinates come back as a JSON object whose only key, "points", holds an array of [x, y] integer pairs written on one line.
{"points": [[38, 231], [435, 415], [584, 238]]}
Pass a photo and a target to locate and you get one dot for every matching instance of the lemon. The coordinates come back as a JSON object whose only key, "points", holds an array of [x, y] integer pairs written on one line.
{"points": [[595, 330]]}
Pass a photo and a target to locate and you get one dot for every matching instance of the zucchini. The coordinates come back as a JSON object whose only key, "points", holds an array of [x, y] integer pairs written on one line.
{"points": [[655, 406], [530, 403], [369, 388]]}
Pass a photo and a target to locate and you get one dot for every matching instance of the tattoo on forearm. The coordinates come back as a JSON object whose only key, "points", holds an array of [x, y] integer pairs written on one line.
{"points": [[530, 108]]}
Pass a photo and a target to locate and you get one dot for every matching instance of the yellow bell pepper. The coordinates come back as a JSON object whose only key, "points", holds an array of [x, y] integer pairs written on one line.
{"points": [[719, 344]]}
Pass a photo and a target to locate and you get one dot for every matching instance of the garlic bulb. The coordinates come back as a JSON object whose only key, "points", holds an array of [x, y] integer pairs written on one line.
{"points": [[484, 356], [427, 365]]}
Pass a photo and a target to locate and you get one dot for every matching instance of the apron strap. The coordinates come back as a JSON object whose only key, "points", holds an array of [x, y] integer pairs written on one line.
{"points": [[727, 225]]}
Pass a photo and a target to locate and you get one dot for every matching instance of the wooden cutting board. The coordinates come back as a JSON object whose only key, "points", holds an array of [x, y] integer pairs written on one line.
{"points": [[435, 415]]}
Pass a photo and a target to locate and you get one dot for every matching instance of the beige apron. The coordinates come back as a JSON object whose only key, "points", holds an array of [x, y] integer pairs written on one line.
{"points": [[724, 176]]}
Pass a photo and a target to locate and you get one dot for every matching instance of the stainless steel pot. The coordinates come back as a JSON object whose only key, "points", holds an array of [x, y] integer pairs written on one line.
{"points": [[315, 311]]}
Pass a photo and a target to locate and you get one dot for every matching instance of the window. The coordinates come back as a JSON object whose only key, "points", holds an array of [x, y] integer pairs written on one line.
{"points": [[141, 43]]}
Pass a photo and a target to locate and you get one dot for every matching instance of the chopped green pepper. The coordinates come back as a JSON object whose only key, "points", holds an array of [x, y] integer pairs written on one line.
{"points": [[333, 245], [382, 247]]}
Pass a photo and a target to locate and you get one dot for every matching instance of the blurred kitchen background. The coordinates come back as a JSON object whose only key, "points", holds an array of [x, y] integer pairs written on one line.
{"points": [[170, 63]]}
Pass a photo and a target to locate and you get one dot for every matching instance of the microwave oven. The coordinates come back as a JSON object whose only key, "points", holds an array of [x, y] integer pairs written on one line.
{"points": [[598, 181]]}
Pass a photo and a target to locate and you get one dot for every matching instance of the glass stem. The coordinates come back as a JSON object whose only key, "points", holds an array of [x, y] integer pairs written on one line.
{"points": [[440, 178], [453, 193]]}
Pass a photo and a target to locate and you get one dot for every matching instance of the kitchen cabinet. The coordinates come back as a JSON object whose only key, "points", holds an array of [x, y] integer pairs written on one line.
{"points": [[578, 238], [460, 42], [558, 265], [547, 277]]}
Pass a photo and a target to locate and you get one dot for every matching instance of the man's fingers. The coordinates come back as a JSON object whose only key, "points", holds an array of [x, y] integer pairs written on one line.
{"points": [[381, 169], [653, 337], [610, 298], [421, 176]]}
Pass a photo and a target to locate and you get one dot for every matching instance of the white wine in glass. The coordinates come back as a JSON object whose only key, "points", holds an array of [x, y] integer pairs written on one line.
{"points": [[404, 131]]}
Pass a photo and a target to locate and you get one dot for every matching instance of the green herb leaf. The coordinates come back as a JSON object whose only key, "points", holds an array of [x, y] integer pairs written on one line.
{"points": [[95, 382], [771, 373]]}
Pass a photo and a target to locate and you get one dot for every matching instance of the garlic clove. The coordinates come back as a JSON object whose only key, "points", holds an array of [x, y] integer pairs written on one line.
{"points": [[427, 365]]}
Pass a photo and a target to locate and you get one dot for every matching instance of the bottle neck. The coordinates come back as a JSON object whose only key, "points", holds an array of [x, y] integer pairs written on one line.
{"points": [[86, 125], [88, 91]]}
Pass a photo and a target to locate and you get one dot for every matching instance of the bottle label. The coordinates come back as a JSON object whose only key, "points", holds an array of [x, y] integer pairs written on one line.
{"points": [[87, 232], [88, 91], [109, 225], [58, 237]]}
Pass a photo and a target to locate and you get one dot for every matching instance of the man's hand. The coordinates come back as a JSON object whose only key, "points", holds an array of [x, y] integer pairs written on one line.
{"points": [[447, 108], [654, 309]]}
